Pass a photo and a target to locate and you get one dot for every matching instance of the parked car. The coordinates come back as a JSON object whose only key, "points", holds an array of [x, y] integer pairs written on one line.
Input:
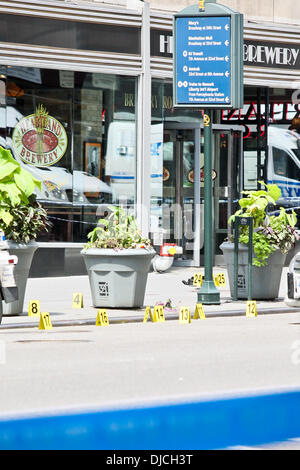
{"points": [[60, 185]]}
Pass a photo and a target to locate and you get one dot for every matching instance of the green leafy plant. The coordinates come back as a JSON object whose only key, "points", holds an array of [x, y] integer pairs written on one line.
{"points": [[118, 231], [22, 218], [271, 232]]}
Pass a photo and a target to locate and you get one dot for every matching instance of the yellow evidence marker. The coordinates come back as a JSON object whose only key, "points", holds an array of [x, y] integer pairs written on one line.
{"points": [[158, 313], [34, 308], [251, 310], [102, 318], [147, 314], [198, 279], [185, 315], [77, 300], [45, 321], [199, 312], [220, 279]]}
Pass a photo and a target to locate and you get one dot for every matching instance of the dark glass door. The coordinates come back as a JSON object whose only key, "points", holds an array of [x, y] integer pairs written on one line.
{"points": [[181, 190]]}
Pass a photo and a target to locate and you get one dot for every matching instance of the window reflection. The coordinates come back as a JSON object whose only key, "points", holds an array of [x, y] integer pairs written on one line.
{"points": [[97, 166]]}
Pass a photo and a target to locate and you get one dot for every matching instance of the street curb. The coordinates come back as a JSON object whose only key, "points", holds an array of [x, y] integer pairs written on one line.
{"points": [[139, 319]]}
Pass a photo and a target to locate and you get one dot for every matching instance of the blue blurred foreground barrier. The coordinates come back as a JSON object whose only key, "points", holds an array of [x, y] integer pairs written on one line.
{"points": [[215, 424]]}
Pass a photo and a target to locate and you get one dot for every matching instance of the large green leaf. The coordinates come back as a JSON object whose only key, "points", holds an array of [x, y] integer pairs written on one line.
{"points": [[7, 163], [260, 204], [7, 169], [37, 183], [12, 192], [244, 202], [273, 190], [25, 181], [6, 216], [6, 156]]}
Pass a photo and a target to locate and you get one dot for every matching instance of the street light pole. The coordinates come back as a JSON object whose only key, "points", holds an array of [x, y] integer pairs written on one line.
{"points": [[208, 293]]}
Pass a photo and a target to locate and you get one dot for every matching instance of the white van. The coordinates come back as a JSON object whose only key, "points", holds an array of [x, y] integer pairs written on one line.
{"points": [[283, 164], [120, 159], [283, 167]]}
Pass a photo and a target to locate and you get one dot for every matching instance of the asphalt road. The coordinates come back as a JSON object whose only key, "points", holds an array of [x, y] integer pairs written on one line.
{"points": [[88, 367]]}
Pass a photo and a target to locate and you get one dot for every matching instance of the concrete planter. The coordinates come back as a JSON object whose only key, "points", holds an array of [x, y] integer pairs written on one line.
{"points": [[118, 278], [24, 252], [265, 279]]}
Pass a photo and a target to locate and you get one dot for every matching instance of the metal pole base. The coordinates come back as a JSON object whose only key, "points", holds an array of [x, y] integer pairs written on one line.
{"points": [[208, 294]]}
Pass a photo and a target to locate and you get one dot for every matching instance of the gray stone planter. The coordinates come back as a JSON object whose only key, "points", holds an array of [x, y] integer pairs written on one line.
{"points": [[118, 278], [24, 252], [265, 279]]}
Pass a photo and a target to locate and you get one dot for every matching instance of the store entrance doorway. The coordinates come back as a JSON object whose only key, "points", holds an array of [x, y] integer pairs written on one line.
{"points": [[183, 185]]}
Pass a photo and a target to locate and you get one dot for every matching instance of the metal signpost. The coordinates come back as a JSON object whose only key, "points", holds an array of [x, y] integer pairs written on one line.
{"points": [[208, 74]]}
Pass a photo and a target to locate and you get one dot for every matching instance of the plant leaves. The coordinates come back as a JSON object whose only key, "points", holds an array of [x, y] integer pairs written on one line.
{"points": [[12, 192], [24, 181], [7, 163], [6, 216], [273, 190]]}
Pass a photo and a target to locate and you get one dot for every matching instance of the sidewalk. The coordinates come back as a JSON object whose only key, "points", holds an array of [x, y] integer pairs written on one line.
{"points": [[55, 295]]}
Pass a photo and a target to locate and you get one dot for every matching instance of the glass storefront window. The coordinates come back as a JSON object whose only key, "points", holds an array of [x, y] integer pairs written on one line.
{"points": [[283, 165], [166, 201], [74, 132], [271, 121]]}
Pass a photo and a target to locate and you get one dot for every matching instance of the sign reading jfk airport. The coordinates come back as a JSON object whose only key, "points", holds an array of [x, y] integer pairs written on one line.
{"points": [[208, 59], [39, 139]]}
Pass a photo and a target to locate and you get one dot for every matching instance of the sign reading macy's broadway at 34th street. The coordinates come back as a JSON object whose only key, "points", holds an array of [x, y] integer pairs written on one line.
{"points": [[208, 57], [39, 139]]}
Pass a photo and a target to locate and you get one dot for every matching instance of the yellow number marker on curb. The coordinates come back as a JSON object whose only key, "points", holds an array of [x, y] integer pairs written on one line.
{"points": [[198, 279], [251, 310], [158, 314], [45, 321], [199, 312], [220, 279], [185, 315], [102, 318], [147, 314], [34, 308], [77, 300]]}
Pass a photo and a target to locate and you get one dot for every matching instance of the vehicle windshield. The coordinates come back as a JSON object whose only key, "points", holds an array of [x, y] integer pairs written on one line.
{"points": [[297, 153]]}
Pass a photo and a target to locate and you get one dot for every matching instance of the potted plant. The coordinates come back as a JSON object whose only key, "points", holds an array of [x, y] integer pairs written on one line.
{"points": [[273, 237], [22, 218], [117, 259]]}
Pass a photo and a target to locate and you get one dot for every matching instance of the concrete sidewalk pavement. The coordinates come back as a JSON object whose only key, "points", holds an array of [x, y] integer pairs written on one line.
{"points": [[55, 295]]}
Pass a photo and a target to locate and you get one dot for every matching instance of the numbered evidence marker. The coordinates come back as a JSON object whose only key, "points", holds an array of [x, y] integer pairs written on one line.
{"points": [[34, 308], [251, 310], [77, 300], [199, 312], [220, 280], [147, 314], [198, 279], [45, 321], [158, 313], [102, 318], [185, 315]]}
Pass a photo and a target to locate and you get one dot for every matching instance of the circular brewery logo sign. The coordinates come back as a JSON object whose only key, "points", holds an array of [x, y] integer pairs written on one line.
{"points": [[39, 139]]}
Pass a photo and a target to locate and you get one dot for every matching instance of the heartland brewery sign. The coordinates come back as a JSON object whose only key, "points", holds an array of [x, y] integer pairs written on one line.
{"points": [[39, 139], [277, 55], [256, 53]]}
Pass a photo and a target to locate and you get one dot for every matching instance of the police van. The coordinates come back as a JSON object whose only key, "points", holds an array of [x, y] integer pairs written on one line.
{"points": [[282, 167]]}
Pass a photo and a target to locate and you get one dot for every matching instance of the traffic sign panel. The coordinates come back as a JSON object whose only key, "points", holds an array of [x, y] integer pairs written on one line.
{"points": [[208, 57], [203, 48]]}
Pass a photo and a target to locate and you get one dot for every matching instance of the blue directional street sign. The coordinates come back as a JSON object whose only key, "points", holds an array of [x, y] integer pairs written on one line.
{"points": [[208, 58], [203, 60]]}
